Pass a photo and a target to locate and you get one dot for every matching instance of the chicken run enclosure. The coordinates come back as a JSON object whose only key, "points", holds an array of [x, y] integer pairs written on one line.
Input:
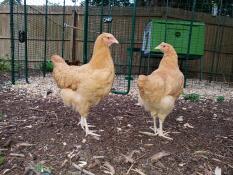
{"points": [[69, 28], [69, 123]]}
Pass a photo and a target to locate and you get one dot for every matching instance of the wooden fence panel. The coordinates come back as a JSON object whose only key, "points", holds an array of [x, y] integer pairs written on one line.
{"points": [[218, 55]]}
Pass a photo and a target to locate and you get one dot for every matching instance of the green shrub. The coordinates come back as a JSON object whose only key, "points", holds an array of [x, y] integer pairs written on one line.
{"points": [[2, 159], [192, 97], [47, 66], [41, 168], [220, 99], [1, 115], [5, 64]]}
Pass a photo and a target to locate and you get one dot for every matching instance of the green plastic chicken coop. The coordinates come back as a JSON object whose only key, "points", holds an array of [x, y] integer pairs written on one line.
{"points": [[175, 32]]}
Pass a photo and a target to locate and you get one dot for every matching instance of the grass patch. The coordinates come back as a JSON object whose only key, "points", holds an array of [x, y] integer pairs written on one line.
{"points": [[5, 65], [193, 97], [2, 159], [220, 99], [47, 66], [42, 169]]}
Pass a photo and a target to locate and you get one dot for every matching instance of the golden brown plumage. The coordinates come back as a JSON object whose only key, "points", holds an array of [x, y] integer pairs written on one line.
{"points": [[159, 90], [84, 86]]}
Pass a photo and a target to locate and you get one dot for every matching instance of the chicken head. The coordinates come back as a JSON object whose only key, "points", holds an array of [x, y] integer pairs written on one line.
{"points": [[109, 39], [165, 47]]}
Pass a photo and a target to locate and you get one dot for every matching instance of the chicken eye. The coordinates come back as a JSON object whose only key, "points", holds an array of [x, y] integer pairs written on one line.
{"points": [[108, 37], [164, 46]]}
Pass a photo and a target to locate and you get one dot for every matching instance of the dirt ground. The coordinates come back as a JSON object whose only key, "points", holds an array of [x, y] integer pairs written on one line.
{"points": [[43, 132]]}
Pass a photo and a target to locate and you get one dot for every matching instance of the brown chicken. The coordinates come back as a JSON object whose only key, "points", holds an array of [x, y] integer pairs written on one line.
{"points": [[84, 86], [159, 90]]}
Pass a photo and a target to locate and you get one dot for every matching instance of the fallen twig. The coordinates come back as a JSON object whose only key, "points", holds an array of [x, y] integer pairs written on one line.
{"points": [[108, 168], [6, 171], [138, 171], [64, 162], [147, 133], [98, 157], [41, 110], [130, 168], [159, 155], [36, 109], [16, 155], [3, 149], [129, 157], [81, 169], [226, 163], [24, 144], [140, 157]]}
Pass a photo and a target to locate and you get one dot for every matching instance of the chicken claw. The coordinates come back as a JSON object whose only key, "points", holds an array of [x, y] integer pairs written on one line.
{"points": [[160, 131], [91, 132], [82, 123], [85, 126], [164, 134]]}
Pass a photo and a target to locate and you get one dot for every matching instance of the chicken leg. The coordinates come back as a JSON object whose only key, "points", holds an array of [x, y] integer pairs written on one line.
{"points": [[81, 122], [155, 127], [84, 125], [155, 133], [160, 131]]}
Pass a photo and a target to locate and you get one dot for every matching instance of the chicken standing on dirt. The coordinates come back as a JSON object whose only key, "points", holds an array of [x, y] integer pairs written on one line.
{"points": [[84, 86], [159, 90]]}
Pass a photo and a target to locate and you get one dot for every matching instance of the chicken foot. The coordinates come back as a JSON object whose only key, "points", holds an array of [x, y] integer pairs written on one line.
{"points": [[153, 128], [81, 122], [85, 126], [160, 131]]}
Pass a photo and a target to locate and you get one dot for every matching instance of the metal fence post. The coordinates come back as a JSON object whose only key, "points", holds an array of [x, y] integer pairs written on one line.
{"points": [[131, 46], [130, 53], [166, 14], [12, 42], [101, 16], [25, 43], [189, 42], [85, 32], [45, 38], [63, 28]]}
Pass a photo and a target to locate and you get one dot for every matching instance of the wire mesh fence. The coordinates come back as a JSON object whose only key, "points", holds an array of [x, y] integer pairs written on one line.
{"points": [[37, 32], [70, 31]]}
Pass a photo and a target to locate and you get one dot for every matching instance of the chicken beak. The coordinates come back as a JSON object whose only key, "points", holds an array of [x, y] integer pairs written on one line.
{"points": [[112, 41], [157, 47], [115, 41]]}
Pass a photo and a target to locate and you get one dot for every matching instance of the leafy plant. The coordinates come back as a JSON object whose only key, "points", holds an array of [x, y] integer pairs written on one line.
{"points": [[47, 66], [220, 99], [192, 97], [42, 169], [1, 115], [5, 64], [2, 159]]}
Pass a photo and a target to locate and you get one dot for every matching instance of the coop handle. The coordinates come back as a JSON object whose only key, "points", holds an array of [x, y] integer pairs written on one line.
{"points": [[22, 36], [177, 34]]}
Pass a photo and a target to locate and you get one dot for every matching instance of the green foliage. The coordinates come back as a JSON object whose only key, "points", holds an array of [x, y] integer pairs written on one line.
{"points": [[5, 64], [2, 159], [55, 4], [1, 115], [220, 99], [192, 97], [41, 168], [47, 66], [7, 2], [118, 3]]}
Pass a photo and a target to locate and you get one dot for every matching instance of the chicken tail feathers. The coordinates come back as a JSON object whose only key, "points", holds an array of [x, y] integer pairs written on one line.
{"points": [[62, 73], [57, 59], [141, 80]]}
